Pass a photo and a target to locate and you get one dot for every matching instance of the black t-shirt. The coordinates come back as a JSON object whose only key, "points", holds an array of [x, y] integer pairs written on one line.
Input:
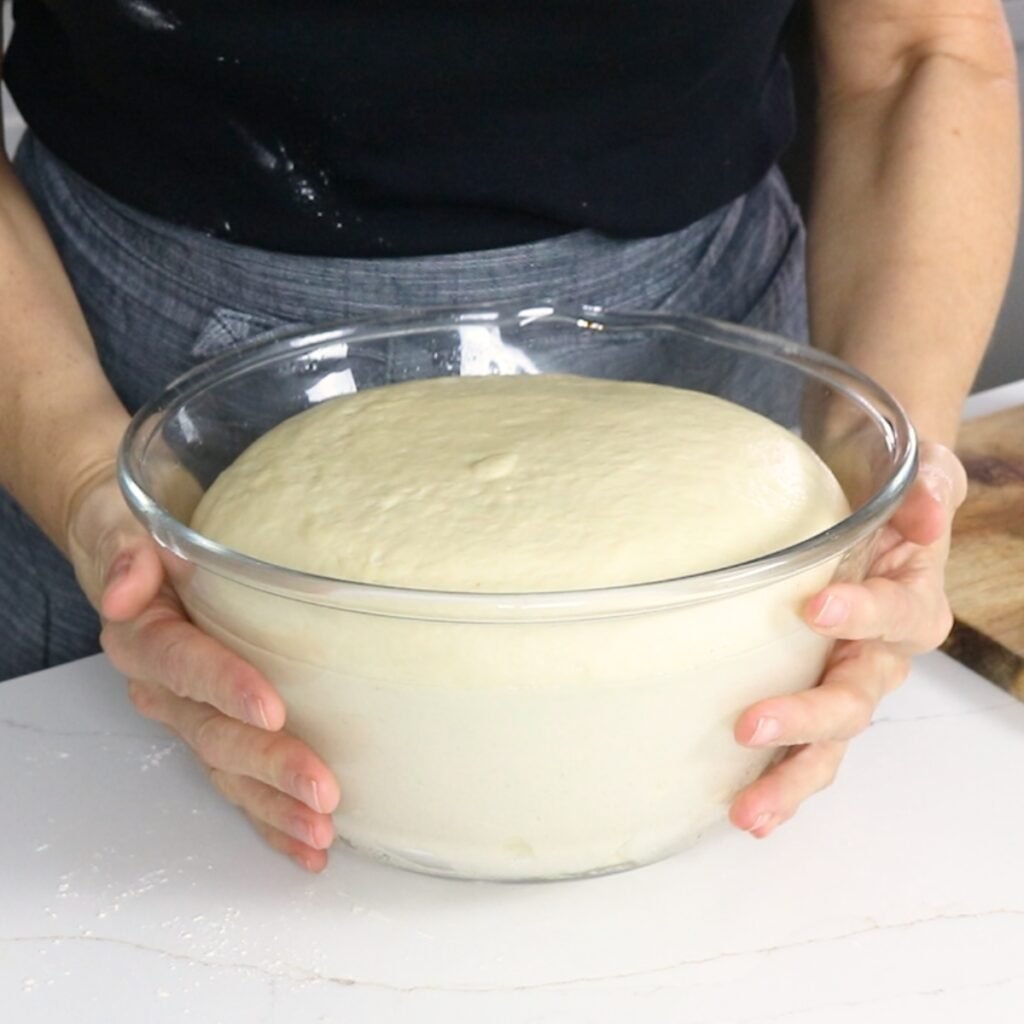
{"points": [[405, 127]]}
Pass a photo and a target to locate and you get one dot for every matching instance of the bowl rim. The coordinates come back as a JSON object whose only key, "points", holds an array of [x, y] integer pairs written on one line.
{"points": [[182, 541]]}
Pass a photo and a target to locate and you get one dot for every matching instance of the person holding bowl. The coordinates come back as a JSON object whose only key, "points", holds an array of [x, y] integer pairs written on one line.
{"points": [[197, 172]]}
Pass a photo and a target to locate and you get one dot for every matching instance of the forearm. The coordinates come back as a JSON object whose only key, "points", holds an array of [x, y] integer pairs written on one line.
{"points": [[60, 421], [913, 225]]}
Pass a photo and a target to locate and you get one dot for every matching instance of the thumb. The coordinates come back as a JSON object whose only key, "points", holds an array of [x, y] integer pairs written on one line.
{"points": [[928, 509], [133, 576], [116, 562]]}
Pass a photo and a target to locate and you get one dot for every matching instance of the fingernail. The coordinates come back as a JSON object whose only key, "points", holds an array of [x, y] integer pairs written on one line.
{"points": [[254, 712], [832, 612], [120, 568], [765, 820], [768, 729], [937, 484], [303, 831], [304, 861], [308, 791], [316, 837]]}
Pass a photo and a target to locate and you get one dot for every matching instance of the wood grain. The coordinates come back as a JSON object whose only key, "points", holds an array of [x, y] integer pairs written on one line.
{"points": [[985, 576]]}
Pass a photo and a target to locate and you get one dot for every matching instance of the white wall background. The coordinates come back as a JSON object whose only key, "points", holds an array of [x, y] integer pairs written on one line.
{"points": [[1005, 358], [13, 124]]}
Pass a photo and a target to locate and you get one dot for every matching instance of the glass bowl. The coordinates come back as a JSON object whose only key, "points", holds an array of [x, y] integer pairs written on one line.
{"points": [[520, 736]]}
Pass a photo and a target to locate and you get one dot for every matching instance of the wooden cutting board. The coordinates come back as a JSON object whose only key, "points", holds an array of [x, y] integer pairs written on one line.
{"points": [[985, 576]]}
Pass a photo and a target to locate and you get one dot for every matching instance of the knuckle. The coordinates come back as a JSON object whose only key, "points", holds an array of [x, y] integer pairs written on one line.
{"points": [[225, 784], [898, 672], [278, 748], [219, 781], [142, 700], [847, 651], [171, 664], [904, 610], [285, 761], [858, 710], [112, 643], [281, 773], [943, 625], [207, 739], [893, 611], [108, 544], [830, 758], [933, 631]]}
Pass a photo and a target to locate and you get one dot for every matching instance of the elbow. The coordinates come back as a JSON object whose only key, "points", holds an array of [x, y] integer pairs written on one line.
{"points": [[986, 52], [981, 47]]}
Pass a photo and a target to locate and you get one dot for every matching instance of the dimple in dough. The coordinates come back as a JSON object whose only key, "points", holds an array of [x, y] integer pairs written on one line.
{"points": [[520, 484]]}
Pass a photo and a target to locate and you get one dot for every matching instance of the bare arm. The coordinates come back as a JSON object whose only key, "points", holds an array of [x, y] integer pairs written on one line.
{"points": [[912, 231], [60, 427], [915, 204], [60, 421]]}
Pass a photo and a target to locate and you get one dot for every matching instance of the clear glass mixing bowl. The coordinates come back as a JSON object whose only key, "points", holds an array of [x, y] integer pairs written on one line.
{"points": [[519, 736]]}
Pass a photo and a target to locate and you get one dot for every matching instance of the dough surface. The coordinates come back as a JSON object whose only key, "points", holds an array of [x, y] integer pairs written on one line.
{"points": [[520, 483], [516, 746]]}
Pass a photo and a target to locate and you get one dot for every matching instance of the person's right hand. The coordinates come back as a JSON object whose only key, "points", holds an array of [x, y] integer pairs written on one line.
{"points": [[221, 706]]}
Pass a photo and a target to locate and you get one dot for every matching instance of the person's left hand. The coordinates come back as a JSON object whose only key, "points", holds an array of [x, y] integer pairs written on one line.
{"points": [[899, 610]]}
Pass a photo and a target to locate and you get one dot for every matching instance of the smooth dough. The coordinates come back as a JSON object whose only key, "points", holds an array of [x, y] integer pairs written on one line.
{"points": [[547, 741], [520, 484]]}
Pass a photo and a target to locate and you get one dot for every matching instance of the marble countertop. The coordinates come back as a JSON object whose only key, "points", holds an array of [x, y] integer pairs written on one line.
{"points": [[129, 892]]}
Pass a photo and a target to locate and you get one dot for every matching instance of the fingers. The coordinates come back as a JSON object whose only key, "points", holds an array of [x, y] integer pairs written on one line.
{"points": [[911, 614], [161, 646], [103, 540], [295, 823], [306, 857], [287, 825], [274, 759], [926, 513], [899, 610], [133, 579], [816, 725], [276, 809], [902, 601], [146, 634], [842, 706], [220, 705], [776, 795]]}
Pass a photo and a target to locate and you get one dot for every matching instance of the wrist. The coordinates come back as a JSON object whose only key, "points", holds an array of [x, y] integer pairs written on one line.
{"points": [[930, 391], [87, 482], [60, 463]]}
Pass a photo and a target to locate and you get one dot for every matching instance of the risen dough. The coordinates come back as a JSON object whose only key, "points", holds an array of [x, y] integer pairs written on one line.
{"points": [[520, 483], [522, 737]]}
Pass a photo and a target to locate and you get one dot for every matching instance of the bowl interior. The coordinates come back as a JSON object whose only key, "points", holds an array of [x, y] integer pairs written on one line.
{"points": [[179, 443]]}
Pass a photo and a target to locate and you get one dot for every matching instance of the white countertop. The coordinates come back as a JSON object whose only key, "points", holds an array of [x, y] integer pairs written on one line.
{"points": [[130, 892]]}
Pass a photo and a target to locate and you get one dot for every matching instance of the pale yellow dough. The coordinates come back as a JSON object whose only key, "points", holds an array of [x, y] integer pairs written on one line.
{"points": [[520, 483], [532, 737]]}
